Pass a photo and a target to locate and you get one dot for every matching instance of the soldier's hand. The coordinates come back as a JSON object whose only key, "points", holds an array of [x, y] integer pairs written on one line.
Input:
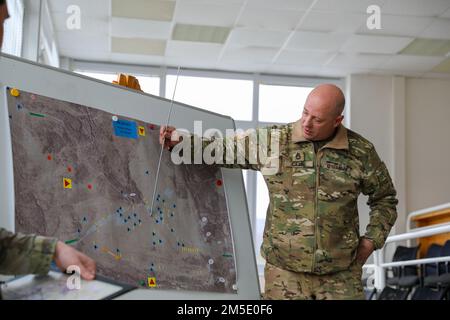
{"points": [[66, 256], [168, 137], [365, 249]]}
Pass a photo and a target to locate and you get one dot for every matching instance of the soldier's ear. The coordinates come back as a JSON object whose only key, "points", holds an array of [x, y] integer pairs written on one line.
{"points": [[338, 121]]}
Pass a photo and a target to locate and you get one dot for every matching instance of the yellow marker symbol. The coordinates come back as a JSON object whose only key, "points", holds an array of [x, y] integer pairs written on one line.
{"points": [[14, 92], [141, 131], [151, 282], [67, 183], [116, 256]]}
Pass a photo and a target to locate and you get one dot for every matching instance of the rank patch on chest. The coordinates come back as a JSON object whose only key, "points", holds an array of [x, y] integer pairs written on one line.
{"points": [[298, 159]]}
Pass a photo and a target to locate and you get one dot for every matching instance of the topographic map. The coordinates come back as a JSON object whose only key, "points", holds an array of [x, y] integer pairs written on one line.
{"points": [[87, 177]]}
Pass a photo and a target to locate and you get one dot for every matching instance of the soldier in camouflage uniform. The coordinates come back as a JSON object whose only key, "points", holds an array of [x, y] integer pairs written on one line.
{"points": [[23, 254], [311, 241]]}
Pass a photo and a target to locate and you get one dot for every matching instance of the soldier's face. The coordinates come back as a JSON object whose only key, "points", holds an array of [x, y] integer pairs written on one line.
{"points": [[319, 119]]}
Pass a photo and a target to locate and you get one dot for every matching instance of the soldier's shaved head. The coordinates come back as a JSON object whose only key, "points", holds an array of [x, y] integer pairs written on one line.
{"points": [[322, 112], [331, 97]]}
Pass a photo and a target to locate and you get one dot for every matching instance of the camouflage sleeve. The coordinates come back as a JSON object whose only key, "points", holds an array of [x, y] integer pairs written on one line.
{"points": [[377, 184], [252, 149], [25, 254]]}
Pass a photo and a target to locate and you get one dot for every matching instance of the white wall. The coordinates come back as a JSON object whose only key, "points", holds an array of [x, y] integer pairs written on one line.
{"points": [[407, 119], [375, 109], [370, 110], [427, 142]]}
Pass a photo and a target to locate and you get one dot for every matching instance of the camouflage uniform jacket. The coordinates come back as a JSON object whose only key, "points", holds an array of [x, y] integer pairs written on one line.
{"points": [[312, 222], [24, 254]]}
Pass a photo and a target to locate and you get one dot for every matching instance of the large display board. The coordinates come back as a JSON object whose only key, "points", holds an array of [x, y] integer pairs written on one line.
{"points": [[93, 149]]}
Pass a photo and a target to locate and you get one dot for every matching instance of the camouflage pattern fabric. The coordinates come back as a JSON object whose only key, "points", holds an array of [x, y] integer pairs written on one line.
{"points": [[287, 285], [312, 222], [25, 254]]}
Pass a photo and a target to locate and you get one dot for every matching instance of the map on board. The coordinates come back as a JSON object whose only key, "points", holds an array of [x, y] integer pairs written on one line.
{"points": [[87, 177], [54, 286]]}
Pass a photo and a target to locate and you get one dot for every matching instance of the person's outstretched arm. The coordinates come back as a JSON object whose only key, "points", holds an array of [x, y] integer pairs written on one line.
{"points": [[32, 254]]}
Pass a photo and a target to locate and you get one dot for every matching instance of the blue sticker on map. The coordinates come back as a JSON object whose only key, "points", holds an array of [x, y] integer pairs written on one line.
{"points": [[125, 128]]}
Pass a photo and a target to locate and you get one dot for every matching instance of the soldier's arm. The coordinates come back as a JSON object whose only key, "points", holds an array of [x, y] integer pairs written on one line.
{"points": [[25, 254], [254, 149], [377, 184], [238, 151]]}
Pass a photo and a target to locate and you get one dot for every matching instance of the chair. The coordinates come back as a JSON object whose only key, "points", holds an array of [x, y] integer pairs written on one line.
{"points": [[431, 271], [389, 293], [442, 278], [426, 293], [404, 276]]}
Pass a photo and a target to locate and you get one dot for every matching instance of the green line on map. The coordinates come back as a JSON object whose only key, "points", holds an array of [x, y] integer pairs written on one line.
{"points": [[37, 115], [71, 241]]}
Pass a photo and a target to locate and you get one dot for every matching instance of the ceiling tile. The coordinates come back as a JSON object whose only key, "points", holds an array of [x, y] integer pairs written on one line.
{"points": [[375, 44], [249, 54], [328, 21], [427, 47], [139, 28], [341, 72], [298, 5], [257, 37], [81, 41], [411, 63], [212, 2], [288, 69], [443, 67], [198, 33], [142, 59], [74, 45], [361, 61], [206, 14], [193, 50], [88, 8], [303, 57], [88, 27], [415, 7], [161, 10], [304, 40], [346, 5], [397, 25], [272, 19], [439, 29], [195, 63], [243, 66], [138, 46]]}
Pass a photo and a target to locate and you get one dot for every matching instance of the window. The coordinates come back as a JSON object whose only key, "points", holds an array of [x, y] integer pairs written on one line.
{"points": [[148, 84], [13, 26], [225, 96], [108, 77], [281, 104]]}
